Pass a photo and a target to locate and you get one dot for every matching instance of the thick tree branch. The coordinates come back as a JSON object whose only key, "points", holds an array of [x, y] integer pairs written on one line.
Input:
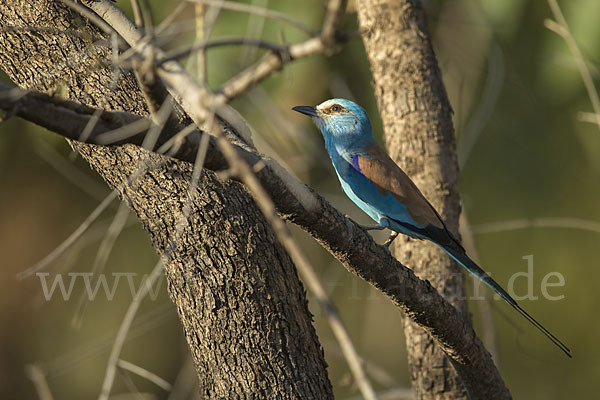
{"points": [[253, 302], [417, 121]]}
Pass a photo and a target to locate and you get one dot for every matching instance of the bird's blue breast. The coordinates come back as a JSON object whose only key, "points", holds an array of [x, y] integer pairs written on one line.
{"points": [[365, 194]]}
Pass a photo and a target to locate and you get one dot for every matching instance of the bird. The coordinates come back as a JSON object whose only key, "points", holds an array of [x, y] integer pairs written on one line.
{"points": [[376, 184]]}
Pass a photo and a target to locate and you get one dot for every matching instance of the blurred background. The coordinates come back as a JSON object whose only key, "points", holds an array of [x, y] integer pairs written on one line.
{"points": [[530, 185]]}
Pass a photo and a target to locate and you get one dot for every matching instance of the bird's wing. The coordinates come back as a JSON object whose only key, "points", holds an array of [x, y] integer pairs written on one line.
{"points": [[388, 177]]}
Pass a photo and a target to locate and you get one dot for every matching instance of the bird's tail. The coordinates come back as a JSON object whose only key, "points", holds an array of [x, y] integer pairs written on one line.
{"points": [[461, 257]]}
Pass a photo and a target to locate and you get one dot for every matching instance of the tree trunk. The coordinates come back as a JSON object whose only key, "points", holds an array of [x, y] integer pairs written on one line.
{"points": [[417, 120], [242, 307]]}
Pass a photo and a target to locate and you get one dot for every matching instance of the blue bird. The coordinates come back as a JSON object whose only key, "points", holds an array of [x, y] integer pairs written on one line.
{"points": [[381, 189]]}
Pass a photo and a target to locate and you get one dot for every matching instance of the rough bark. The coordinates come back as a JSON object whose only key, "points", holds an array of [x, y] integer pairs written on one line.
{"points": [[242, 307], [418, 131]]}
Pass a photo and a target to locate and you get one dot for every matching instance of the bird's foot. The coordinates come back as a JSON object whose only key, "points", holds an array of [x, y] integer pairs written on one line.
{"points": [[371, 227], [389, 241]]}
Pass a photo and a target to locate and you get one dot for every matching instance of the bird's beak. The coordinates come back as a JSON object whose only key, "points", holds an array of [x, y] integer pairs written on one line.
{"points": [[307, 110]]}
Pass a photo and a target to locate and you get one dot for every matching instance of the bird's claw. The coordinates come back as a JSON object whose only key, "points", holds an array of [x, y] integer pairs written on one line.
{"points": [[389, 241]]}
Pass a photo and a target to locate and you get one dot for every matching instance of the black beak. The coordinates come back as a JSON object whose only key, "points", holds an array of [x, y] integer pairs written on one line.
{"points": [[307, 110]]}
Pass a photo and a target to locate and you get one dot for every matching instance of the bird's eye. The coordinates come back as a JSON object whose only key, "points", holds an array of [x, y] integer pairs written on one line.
{"points": [[336, 108]]}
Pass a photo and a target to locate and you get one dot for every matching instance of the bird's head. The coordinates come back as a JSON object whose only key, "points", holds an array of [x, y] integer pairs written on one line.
{"points": [[342, 122]]}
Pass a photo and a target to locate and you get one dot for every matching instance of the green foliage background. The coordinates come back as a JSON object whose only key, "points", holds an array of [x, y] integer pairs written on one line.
{"points": [[516, 93]]}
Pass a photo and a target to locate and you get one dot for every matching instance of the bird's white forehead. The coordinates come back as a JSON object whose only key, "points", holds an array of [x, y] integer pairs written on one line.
{"points": [[326, 104]]}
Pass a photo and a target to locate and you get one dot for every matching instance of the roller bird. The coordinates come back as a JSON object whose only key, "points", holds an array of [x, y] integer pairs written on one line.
{"points": [[373, 181]]}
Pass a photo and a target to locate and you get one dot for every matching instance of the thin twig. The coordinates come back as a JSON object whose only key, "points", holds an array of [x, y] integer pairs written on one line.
{"points": [[38, 377], [211, 15], [332, 20], [201, 71], [222, 42], [269, 64], [150, 321], [71, 239], [260, 11], [185, 381], [267, 206], [489, 98], [144, 373], [168, 22], [254, 29], [325, 42], [561, 28], [69, 171], [126, 377], [137, 13], [124, 329], [592, 118], [379, 374], [398, 393], [104, 251], [541, 222], [148, 20]]}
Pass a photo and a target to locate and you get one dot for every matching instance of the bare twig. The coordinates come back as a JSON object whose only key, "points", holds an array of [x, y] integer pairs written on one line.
{"points": [[376, 372], [325, 42], [236, 41], [148, 20], [38, 377], [398, 393], [185, 381], [588, 117], [262, 12], [137, 13], [124, 329], [210, 16], [147, 322], [106, 246], [254, 29], [144, 373], [541, 222], [489, 98], [126, 377], [70, 240], [267, 66], [167, 23], [331, 22], [561, 28], [243, 170], [70, 171], [201, 37]]}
